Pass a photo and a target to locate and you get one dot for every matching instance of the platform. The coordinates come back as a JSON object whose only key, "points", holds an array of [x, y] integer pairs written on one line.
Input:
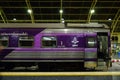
{"points": [[59, 73]]}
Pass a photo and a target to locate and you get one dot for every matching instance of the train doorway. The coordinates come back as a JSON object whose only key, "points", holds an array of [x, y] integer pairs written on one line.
{"points": [[103, 55]]}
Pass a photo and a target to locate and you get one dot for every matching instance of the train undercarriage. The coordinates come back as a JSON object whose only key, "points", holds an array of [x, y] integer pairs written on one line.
{"points": [[51, 66]]}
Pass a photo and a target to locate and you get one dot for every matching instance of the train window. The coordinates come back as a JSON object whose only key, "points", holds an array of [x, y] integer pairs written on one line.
{"points": [[91, 42], [26, 41], [49, 41], [4, 41]]}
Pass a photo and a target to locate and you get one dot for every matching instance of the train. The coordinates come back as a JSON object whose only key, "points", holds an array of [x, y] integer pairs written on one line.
{"points": [[40, 43]]}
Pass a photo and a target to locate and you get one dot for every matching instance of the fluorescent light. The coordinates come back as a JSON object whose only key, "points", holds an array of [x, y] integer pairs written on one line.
{"points": [[91, 42], [14, 19], [109, 19], [62, 20], [92, 11], [29, 11], [61, 11]]}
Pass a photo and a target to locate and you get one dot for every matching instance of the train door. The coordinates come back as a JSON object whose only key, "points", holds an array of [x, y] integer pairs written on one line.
{"points": [[102, 49]]}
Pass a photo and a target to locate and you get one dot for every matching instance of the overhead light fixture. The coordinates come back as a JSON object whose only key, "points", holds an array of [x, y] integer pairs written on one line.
{"points": [[62, 20], [92, 11], [61, 11], [109, 19], [29, 11], [14, 19]]}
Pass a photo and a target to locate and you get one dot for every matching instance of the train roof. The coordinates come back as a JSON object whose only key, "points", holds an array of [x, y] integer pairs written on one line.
{"points": [[52, 25]]}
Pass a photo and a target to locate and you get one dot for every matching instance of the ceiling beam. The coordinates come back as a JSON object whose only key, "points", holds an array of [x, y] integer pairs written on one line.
{"points": [[57, 20], [3, 16], [56, 14], [67, 7], [117, 27], [55, 1], [115, 21], [29, 7], [91, 8], [61, 8]]}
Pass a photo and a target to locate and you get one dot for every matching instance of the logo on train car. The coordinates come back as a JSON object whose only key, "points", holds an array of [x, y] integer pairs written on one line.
{"points": [[75, 42]]}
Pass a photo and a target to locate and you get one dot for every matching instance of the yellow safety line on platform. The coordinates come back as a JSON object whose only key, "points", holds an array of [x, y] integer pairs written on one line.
{"points": [[59, 73]]}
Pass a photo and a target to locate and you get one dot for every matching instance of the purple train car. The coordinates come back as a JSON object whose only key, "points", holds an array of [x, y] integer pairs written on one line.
{"points": [[55, 43]]}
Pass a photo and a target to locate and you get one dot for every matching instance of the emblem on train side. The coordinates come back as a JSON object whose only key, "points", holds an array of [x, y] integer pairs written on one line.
{"points": [[75, 42]]}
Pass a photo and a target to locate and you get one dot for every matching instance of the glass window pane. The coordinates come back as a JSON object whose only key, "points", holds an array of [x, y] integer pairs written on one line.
{"points": [[91, 42], [4, 41], [26, 41], [48, 41]]}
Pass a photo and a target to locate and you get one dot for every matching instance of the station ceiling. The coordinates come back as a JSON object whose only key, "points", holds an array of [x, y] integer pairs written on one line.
{"points": [[68, 11]]}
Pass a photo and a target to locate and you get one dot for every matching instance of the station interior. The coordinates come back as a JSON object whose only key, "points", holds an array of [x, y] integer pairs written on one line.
{"points": [[66, 11]]}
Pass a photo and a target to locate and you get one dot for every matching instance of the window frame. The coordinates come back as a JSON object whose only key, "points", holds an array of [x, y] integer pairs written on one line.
{"points": [[95, 42], [5, 40], [48, 40], [26, 40]]}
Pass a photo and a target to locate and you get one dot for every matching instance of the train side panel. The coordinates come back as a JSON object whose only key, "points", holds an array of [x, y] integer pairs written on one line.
{"points": [[45, 47], [55, 45]]}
